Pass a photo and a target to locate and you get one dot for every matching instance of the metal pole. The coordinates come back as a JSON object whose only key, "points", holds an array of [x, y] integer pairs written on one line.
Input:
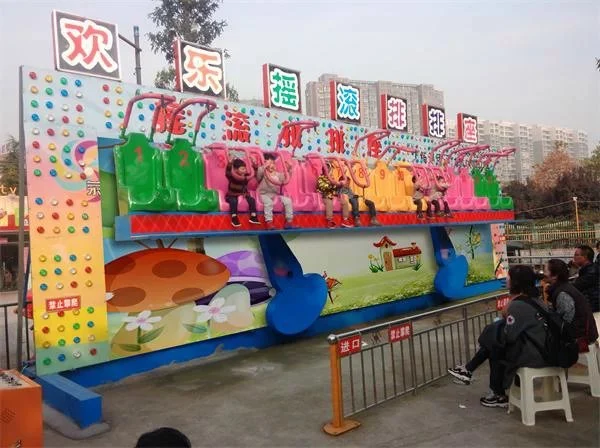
{"points": [[576, 212], [138, 52], [20, 270]]}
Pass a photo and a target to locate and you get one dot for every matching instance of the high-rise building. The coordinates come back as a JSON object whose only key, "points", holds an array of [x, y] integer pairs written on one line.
{"points": [[532, 142], [504, 134], [546, 139], [317, 99]]}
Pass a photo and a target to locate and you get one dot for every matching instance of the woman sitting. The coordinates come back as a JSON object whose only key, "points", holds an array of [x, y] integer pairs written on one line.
{"points": [[571, 304], [509, 343]]}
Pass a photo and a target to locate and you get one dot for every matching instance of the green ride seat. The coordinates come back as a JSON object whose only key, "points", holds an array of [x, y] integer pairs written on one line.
{"points": [[185, 175], [140, 177], [497, 200]]}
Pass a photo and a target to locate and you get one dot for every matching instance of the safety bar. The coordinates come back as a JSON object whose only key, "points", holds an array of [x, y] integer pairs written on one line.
{"points": [[470, 152], [166, 99], [378, 134], [210, 106], [341, 164], [443, 147], [363, 169], [459, 151], [444, 150]]}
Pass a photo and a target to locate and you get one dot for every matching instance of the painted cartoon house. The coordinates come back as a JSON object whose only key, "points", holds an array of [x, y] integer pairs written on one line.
{"points": [[400, 258]]}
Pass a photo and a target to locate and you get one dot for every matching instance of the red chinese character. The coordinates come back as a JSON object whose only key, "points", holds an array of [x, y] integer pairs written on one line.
{"points": [[89, 44], [202, 69], [60, 304], [374, 146], [344, 347], [336, 140], [164, 119], [239, 127], [51, 305], [75, 302], [470, 130], [291, 136]]}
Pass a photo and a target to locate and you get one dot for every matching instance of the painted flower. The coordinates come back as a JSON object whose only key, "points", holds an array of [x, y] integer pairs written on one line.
{"points": [[142, 321], [108, 296], [216, 310]]}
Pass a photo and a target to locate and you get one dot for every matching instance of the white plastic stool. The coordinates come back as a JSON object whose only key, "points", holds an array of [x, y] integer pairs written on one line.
{"points": [[592, 379], [523, 397]]}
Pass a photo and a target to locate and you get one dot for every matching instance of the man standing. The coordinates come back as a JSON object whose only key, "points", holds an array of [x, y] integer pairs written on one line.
{"points": [[588, 278]]}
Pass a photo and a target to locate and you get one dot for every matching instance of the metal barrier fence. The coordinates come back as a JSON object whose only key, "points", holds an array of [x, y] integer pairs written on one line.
{"points": [[8, 353], [375, 364], [572, 237]]}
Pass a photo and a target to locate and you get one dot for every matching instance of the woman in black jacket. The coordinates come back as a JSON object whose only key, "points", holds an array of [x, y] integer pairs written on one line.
{"points": [[509, 343]]}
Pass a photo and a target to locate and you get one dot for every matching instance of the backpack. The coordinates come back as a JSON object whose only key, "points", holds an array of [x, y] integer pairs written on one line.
{"points": [[561, 348]]}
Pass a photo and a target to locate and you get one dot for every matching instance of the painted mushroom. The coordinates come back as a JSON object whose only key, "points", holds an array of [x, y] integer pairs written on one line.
{"points": [[156, 279], [246, 268]]}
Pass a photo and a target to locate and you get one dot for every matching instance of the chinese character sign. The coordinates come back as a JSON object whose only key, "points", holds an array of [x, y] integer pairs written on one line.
{"points": [[400, 332], [281, 88], [394, 113], [467, 128], [350, 345], [502, 303], [63, 304], [85, 46], [345, 102], [433, 121], [199, 69]]}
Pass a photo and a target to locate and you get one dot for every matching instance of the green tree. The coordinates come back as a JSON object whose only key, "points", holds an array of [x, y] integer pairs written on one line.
{"points": [[9, 163], [191, 20], [593, 162]]}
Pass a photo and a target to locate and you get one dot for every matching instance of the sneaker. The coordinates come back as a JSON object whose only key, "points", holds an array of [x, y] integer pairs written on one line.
{"points": [[462, 375], [420, 216], [346, 223], [429, 216], [254, 219], [448, 215], [289, 225], [374, 222], [492, 400], [331, 224], [269, 225], [235, 221], [357, 221]]}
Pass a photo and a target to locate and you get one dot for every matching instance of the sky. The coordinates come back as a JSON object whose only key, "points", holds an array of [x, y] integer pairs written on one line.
{"points": [[527, 61]]}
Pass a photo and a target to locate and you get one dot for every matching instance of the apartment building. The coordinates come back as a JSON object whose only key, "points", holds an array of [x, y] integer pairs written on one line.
{"points": [[317, 99]]}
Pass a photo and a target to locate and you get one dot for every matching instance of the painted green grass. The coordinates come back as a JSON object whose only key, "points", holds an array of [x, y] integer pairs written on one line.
{"points": [[373, 289], [481, 269]]}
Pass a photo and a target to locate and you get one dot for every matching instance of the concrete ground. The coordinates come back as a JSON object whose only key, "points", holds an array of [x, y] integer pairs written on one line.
{"points": [[280, 397]]}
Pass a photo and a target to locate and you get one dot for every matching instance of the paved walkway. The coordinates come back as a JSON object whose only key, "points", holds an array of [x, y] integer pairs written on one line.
{"points": [[280, 397]]}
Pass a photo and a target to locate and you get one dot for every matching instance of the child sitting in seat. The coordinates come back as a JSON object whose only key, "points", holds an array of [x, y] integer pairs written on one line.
{"points": [[238, 177], [418, 196], [439, 194], [270, 185], [346, 192], [328, 192]]}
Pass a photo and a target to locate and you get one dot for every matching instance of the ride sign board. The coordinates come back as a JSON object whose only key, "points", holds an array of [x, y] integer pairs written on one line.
{"points": [[199, 69], [433, 121], [400, 332], [394, 113], [344, 102], [86, 46], [466, 128], [281, 88]]}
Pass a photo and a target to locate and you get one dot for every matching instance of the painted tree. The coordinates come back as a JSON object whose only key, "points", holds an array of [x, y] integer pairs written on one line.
{"points": [[191, 20], [556, 164], [473, 241]]}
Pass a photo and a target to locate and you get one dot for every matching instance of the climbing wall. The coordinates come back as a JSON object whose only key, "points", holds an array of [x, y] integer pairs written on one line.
{"points": [[67, 263]]}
